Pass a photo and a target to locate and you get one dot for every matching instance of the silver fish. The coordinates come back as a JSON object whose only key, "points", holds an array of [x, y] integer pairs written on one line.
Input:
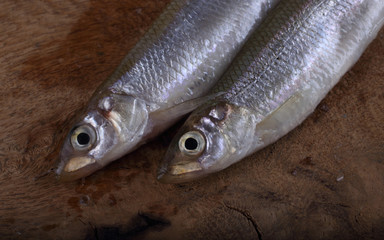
{"points": [[286, 68], [179, 59]]}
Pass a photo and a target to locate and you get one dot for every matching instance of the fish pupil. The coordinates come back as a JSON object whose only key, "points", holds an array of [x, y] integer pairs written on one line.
{"points": [[191, 144], [83, 138]]}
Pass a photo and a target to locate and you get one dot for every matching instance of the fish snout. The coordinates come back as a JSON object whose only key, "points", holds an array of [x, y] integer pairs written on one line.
{"points": [[76, 168], [177, 173]]}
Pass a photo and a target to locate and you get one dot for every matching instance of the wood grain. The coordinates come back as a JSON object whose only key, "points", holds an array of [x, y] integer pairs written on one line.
{"points": [[323, 180]]}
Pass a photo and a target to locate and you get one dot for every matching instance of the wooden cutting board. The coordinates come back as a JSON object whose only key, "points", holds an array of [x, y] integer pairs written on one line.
{"points": [[324, 180]]}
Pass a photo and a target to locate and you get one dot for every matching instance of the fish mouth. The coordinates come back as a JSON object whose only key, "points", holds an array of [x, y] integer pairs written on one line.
{"points": [[77, 168], [180, 173]]}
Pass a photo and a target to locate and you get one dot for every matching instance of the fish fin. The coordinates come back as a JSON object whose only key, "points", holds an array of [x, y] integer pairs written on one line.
{"points": [[284, 112], [179, 110]]}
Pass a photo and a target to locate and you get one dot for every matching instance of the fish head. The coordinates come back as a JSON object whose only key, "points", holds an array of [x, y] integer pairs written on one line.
{"points": [[211, 139], [111, 127]]}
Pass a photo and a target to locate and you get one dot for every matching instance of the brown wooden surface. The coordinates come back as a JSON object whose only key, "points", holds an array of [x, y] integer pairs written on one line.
{"points": [[323, 180]]}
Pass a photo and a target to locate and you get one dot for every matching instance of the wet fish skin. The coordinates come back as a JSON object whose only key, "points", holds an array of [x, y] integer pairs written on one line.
{"points": [[286, 68], [180, 58]]}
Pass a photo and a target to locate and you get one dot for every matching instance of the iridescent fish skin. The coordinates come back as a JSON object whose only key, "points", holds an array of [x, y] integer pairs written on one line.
{"points": [[180, 58], [286, 68]]}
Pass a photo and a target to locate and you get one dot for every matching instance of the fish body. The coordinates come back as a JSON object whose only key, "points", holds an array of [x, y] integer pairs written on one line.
{"points": [[179, 59], [285, 69]]}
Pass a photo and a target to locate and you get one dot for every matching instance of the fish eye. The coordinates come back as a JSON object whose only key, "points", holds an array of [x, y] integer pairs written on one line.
{"points": [[192, 143], [83, 137]]}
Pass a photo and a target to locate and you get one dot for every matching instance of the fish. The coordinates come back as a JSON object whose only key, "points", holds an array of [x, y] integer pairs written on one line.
{"points": [[285, 69], [164, 77]]}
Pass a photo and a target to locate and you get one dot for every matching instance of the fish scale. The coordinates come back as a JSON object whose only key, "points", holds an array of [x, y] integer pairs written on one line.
{"points": [[187, 56], [284, 70], [292, 49]]}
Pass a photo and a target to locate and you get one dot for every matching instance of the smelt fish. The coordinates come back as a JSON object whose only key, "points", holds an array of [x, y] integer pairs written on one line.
{"points": [[161, 79], [286, 68]]}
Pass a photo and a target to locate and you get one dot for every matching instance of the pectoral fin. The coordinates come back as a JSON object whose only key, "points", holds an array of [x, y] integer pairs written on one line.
{"points": [[179, 110]]}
